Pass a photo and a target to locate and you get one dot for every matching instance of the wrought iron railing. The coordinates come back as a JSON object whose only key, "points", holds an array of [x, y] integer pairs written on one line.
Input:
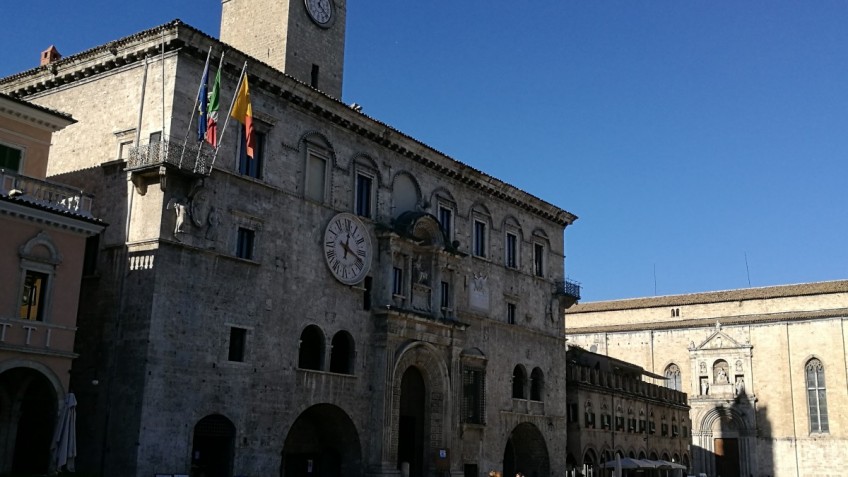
{"points": [[196, 158], [43, 192], [568, 288]]}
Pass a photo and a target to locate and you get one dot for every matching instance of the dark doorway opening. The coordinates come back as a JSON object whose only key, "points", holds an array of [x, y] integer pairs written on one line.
{"points": [[212, 448], [28, 407], [322, 442], [727, 457], [411, 424]]}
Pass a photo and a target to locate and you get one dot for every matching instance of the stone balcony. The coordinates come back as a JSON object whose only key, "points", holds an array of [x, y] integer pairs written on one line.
{"points": [[43, 192]]}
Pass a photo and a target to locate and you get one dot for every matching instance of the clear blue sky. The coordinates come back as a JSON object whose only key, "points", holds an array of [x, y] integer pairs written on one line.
{"points": [[686, 135]]}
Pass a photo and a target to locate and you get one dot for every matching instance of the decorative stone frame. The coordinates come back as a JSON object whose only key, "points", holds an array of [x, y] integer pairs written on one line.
{"points": [[30, 260]]}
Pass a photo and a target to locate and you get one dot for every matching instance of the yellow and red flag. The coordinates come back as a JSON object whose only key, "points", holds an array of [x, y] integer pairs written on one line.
{"points": [[243, 113]]}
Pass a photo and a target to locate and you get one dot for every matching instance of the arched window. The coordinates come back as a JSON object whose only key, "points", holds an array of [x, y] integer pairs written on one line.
{"points": [[537, 384], [672, 377], [816, 396], [342, 353], [519, 381], [311, 353]]}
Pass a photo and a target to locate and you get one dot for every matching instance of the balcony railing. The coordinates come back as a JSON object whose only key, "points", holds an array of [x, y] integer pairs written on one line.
{"points": [[189, 157], [568, 288], [42, 192]]}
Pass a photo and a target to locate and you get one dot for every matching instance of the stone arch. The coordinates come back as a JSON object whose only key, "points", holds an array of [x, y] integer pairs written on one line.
{"points": [[311, 348], [406, 194], [325, 437], [442, 193], [425, 358], [213, 446], [29, 250], [422, 227], [519, 382], [30, 398], [365, 160], [318, 138], [526, 451], [342, 353], [732, 427]]}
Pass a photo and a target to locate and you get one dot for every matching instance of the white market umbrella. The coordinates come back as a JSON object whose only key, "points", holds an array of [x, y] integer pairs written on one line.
{"points": [[64, 445]]}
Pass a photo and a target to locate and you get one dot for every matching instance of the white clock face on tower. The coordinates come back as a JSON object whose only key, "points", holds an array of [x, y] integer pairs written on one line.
{"points": [[321, 11], [347, 248]]}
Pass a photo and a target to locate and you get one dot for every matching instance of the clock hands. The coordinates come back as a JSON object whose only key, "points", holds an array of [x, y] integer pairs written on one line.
{"points": [[346, 246]]}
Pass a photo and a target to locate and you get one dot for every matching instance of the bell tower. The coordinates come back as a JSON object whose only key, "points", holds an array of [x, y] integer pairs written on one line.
{"points": [[301, 38]]}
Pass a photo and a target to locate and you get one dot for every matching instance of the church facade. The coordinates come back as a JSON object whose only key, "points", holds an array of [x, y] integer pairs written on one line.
{"points": [[765, 370], [348, 301]]}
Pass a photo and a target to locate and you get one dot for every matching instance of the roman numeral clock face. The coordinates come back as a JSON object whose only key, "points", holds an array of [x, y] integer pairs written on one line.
{"points": [[347, 248]]}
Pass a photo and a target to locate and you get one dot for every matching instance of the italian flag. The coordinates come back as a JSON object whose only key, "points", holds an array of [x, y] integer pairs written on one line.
{"points": [[212, 111]]}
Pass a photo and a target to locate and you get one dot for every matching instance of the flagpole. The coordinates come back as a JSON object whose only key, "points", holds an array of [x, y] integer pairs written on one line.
{"points": [[200, 147], [227, 121], [162, 152], [194, 108]]}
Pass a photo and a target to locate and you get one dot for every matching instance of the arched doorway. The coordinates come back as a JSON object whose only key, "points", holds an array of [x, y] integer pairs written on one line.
{"points": [[212, 447], [412, 422], [526, 452], [322, 442], [726, 442], [28, 411]]}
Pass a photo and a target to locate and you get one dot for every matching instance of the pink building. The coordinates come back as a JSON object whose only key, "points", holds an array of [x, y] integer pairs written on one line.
{"points": [[45, 227]]}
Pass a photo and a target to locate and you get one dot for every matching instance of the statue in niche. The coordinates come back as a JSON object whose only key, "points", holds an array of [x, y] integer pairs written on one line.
{"points": [[738, 366], [740, 386], [422, 277], [705, 387], [703, 367], [213, 220], [181, 211], [721, 377]]}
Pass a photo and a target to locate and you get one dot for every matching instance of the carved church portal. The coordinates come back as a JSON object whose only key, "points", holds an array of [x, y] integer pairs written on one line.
{"points": [[28, 406], [322, 442], [411, 423], [727, 457], [526, 452]]}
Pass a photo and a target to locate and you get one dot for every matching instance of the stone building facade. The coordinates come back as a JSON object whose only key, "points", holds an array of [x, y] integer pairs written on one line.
{"points": [[46, 227], [348, 302], [765, 369], [613, 413]]}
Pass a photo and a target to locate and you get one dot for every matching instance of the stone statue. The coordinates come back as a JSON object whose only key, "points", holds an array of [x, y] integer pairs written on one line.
{"points": [[740, 386], [722, 376], [705, 387], [181, 211]]}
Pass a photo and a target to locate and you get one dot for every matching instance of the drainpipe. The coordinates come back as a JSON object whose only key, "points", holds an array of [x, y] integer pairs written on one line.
{"points": [[792, 400]]}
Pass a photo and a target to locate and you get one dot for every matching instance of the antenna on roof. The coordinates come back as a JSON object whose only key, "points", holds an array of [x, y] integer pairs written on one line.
{"points": [[747, 271], [655, 279]]}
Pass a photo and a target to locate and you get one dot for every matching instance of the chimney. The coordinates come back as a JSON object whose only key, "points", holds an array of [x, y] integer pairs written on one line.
{"points": [[50, 55]]}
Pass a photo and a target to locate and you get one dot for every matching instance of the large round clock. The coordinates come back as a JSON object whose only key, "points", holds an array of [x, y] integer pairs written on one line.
{"points": [[321, 11], [347, 248]]}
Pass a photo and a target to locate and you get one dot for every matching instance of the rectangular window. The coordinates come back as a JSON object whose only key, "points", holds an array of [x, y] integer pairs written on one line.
{"points": [[571, 411], [397, 281], [652, 428], [237, 342], [664, 429], [479, 239], [511, 250], [446, 220], [124, 150], [251, 167], [316, 169], [244, 243], [539, 260], [445, 295], [619, 423], [363, 195], [33, 296], [643, 425], [10, 158], [510, 313], [473, 395], [606, 421]]}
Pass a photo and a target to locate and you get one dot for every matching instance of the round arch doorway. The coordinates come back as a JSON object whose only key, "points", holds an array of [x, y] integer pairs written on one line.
{"points": [[526, 452], [322, 442], [28, 407]]}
